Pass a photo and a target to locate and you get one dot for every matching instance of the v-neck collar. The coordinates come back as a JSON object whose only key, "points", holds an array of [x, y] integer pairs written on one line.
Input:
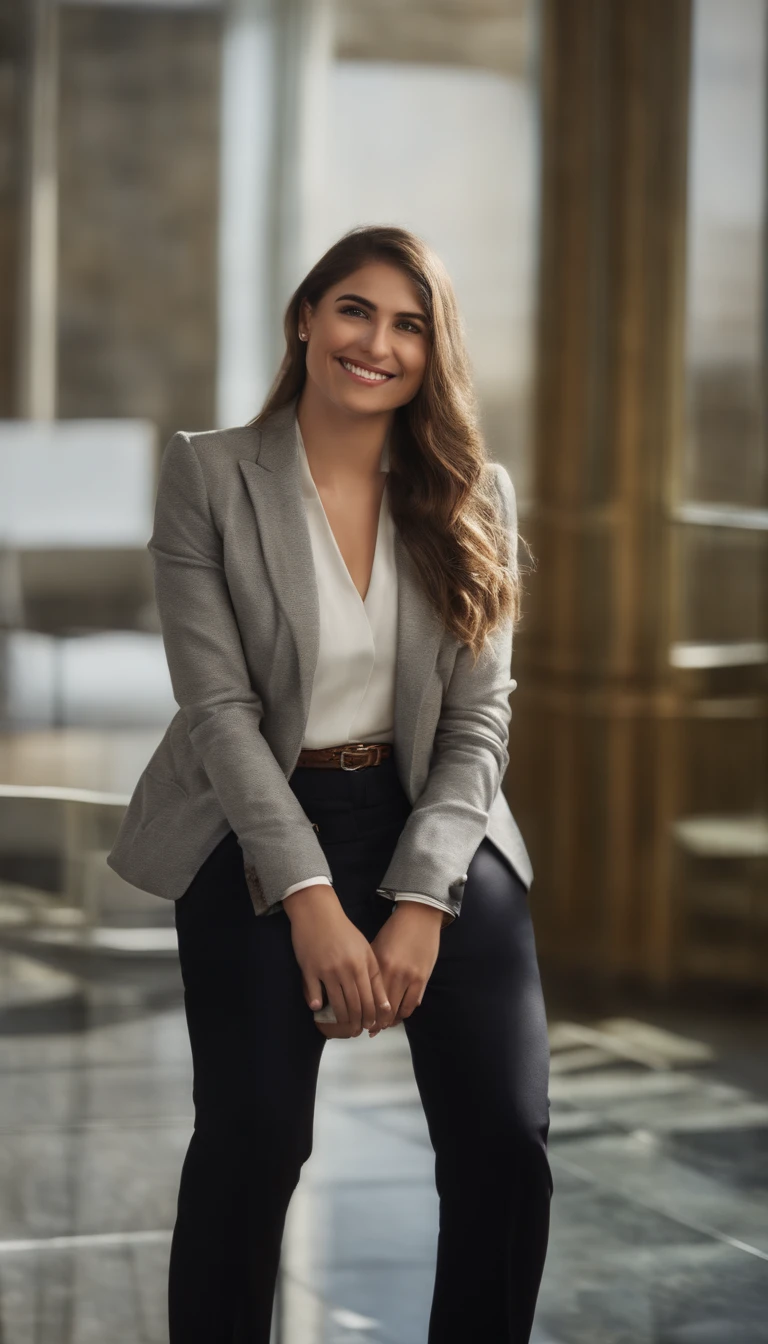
{"points": [[311, 494]]}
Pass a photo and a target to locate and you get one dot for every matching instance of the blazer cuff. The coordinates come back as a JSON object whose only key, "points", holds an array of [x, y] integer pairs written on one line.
{"points": [[396, 896]]}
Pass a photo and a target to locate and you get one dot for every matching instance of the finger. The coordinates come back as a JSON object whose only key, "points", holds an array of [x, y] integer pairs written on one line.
{"points": [[354, 1006], [365, 990], [397, 987], [380, 995], [411, 1000], [337, 999], [398, 998], [313, 991], [342, 1030]]}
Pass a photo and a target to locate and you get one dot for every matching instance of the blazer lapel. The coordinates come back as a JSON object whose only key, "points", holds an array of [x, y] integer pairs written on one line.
{"points": [[274, 484], [273, 480]]}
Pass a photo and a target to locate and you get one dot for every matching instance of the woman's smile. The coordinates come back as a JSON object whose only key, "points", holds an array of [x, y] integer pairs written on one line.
{"points": [[362, 373]]}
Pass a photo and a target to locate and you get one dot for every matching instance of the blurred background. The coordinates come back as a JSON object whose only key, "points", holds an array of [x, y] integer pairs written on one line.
{"points": [[595, 177]]}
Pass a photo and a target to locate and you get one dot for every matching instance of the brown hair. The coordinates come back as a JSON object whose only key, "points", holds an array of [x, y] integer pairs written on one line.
{"points": [[441, 491]]}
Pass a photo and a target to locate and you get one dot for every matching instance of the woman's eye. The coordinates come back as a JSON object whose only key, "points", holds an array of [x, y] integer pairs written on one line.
{"points": [[410, 325]]}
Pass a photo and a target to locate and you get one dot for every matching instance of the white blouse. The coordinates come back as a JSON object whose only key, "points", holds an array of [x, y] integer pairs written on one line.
{"points": [[353, 692]]}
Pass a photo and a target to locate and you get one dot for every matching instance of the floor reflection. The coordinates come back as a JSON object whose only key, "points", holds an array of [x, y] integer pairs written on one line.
{"points": [[659, 1150]]}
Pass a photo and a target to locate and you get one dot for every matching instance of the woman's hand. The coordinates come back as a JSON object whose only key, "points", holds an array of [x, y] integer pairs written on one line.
{"points": [[329, 947], [406, 949]]}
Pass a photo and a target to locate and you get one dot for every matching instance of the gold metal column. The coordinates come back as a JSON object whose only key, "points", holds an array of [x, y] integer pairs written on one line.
{"points": [[596, 729]]}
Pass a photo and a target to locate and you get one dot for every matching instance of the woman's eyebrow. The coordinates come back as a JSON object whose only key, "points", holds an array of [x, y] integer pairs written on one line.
{"points": [[359, 299]]}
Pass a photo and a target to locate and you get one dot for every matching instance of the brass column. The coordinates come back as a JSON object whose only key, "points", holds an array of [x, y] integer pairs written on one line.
{"points": [[595, 729]]}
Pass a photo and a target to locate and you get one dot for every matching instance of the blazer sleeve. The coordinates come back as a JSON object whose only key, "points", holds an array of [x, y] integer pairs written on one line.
{"points": [[211, 682], [470, 755]]}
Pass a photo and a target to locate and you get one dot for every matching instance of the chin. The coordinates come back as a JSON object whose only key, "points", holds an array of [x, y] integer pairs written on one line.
{"points": [[360, 397]]}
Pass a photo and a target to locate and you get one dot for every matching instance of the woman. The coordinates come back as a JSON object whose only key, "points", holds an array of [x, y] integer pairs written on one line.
{"points": [[337, 583]]}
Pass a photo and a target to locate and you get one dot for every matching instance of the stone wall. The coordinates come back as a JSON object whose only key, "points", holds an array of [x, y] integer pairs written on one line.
{"points": [[138, 163]]}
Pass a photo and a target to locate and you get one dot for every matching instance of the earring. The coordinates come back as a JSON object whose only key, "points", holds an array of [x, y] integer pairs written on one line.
{"points": [[302, 335]]}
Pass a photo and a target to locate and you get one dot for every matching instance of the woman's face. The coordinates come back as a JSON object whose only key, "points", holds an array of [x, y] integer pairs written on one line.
{"points": [[373, 320]]}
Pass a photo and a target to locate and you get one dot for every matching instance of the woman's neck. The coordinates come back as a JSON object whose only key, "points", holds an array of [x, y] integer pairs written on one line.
{"points": [[339, 445]]}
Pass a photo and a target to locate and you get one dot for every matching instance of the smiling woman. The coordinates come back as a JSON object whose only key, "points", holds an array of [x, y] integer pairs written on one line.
{"points": [[375, 346], [369, 308], [337, 585], [373, 339]]}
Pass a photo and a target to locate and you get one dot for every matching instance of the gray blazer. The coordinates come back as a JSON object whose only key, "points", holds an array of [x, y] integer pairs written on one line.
{"points": [[238, 606]]}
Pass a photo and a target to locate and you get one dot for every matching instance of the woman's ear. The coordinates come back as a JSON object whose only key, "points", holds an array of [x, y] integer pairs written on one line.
{"points": [[305, 317]]}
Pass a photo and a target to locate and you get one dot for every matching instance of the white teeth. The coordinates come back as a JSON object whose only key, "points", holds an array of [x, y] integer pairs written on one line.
{"points": [[365, 373]]}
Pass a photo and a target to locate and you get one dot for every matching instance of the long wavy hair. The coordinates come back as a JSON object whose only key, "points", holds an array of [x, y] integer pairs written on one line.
{"points": [[441, 491]]}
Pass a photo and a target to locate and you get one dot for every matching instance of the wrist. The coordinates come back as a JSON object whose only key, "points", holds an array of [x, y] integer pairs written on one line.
{"points": [[420, 910], [309, 899]]}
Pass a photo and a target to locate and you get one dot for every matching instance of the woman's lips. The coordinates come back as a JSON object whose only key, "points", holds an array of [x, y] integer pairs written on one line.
{"points": [[369, 382]]}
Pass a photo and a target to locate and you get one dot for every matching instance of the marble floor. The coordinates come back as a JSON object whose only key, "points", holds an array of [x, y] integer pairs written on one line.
{"points": [[659, 1148]]}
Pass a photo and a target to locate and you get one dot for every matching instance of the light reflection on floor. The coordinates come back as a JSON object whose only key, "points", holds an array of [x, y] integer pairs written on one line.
{"points": [[659, 1149]]}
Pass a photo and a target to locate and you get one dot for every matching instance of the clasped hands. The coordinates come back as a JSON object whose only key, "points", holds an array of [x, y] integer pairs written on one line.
{"points": [[370, 985]]}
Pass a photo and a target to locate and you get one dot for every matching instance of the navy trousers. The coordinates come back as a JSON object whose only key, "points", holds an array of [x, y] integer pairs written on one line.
{"points": [[480, 1054]]}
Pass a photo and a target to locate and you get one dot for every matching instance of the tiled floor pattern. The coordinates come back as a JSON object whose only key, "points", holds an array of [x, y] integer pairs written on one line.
{"points": [[659, 1147]]}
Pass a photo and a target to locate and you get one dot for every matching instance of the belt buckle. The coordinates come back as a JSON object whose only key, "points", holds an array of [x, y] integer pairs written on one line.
{"points": [[359, 746]]}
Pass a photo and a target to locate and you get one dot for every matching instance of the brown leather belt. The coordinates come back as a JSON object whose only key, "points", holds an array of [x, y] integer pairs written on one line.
{"points": [[350, 756]]}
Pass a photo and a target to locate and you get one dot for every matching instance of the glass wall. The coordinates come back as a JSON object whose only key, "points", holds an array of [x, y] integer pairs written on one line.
{"points": [[448, 151], [725, 462], [725, 454]]}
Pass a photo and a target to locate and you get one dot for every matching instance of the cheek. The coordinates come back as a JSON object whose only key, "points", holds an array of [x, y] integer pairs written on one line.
{"points": [[321, 364], [415, 366], [335, 337]]}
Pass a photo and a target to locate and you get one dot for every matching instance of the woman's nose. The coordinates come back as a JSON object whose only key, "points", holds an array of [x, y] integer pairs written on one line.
{"points": [[377, 344]]}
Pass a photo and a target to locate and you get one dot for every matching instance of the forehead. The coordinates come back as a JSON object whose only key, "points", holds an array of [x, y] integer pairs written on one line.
{"points": [[386, 285]]}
